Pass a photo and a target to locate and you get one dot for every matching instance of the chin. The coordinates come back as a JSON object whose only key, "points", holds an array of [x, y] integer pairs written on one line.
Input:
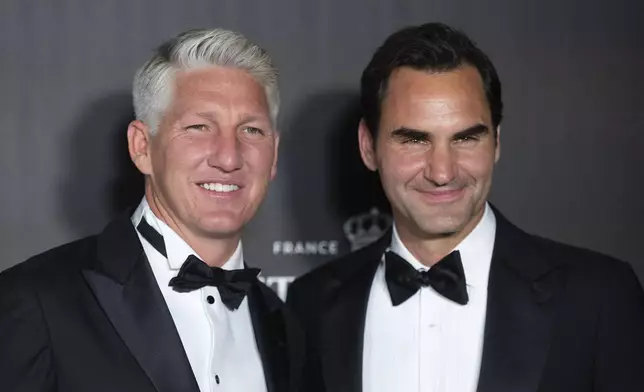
{"points": [[221, 232], [441, 231], [441, 226], [220, 227]]}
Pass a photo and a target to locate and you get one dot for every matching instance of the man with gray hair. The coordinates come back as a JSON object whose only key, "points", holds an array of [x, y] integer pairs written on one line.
{"points": [[162, 299]]}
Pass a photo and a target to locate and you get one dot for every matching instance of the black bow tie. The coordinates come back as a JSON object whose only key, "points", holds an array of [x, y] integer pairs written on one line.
{"points": [[233, 285], [446, 277]]}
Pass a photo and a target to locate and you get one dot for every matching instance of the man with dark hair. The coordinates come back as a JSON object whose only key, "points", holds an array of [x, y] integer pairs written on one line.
{"points": [[455, 298]]}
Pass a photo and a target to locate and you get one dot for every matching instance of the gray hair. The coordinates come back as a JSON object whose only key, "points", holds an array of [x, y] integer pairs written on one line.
{"points": [[153, 82]]}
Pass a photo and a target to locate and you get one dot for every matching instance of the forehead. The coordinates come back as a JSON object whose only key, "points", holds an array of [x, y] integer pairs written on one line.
{"points": [[218, 86], [431, 97]]}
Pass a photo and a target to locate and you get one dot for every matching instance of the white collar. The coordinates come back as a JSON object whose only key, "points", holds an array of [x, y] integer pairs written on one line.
{"points": [[475, 249], [176, 248]]}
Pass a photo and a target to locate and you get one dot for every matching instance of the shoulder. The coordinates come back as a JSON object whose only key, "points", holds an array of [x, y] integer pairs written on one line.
{"points": [[340, 268], [64, 257], [23, 290], [318, 276], [308, 291], [602, 277], [35, 272], [579, 258], [609, 286], [27, 291], [551, 254]]}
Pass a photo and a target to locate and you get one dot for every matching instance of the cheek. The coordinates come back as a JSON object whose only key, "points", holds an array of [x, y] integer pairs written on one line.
{"points": [[477, 164], [401, 167], [259, 158], [181, 156]]}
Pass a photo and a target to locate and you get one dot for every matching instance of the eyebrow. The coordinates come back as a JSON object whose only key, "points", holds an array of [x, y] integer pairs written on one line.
{"points": [[411, 133], [248, 117], [475, 130], [245, 117], [206, 115]]}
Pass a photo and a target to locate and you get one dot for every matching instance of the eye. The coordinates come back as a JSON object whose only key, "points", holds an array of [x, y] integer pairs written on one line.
{"points": [[253, 131], [198, 127], [414, 140], [468, 139]]}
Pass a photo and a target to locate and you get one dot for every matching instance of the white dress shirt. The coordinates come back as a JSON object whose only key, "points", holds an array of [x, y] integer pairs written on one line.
{"points": [[220, 344], [429, 343]]}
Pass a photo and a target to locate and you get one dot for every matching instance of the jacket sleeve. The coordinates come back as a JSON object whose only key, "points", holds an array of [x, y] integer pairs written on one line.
{"points": [[25, 350], [619, 364]]}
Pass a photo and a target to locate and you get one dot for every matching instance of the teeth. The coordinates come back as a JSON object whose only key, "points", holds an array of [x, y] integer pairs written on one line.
{"points": [[218, 187]]}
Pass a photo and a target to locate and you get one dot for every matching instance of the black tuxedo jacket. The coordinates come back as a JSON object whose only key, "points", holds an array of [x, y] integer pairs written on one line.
{"points": [[89, 316], [558, 318]]}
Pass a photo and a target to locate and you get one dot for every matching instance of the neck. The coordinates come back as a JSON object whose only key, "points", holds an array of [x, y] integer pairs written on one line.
{"points": [[429, 249], [214, 251]]}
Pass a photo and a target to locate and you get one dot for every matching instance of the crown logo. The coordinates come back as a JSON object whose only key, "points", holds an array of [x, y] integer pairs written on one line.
{"points": [[361, 230]]}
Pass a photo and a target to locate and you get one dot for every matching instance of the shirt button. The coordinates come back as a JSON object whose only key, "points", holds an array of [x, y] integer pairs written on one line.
{"points": [[217, 379], [210, 299]]}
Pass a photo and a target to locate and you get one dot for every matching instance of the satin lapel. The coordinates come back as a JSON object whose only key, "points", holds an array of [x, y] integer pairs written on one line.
{"points": [[343, 323], [521, 306], [126, 289], [270, 334]]}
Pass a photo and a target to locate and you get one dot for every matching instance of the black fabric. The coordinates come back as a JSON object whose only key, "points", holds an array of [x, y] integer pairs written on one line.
{"points": [[89, 316], [446, 277], [233, 285], [152, 236], [559, 318]]}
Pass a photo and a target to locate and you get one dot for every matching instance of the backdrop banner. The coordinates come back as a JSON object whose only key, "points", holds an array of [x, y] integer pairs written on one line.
{"points": [[572, 138]]}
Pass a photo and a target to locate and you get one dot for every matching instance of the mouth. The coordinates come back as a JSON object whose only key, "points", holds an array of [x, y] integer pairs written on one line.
{"points": [[219, 187], [443, 196]]}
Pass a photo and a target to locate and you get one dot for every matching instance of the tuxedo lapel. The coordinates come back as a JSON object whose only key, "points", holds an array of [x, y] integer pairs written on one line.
{"points": [[124, 285], [521, 305], [343, 322], [270, 327]]}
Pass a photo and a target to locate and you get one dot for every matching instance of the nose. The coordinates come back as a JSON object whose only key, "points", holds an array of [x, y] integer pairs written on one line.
{"points": [[441, 164], [225, 151]]}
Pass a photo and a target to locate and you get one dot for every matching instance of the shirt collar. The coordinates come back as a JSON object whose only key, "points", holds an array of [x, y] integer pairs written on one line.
{"points": [[475, 249], [177, 249]]}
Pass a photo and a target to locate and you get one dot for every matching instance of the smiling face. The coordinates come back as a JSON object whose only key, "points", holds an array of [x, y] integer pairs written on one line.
{"points": [[435, 151], [209, 164]]}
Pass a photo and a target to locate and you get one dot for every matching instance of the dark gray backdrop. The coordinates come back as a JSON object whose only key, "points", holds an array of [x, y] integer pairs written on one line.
{"points": [[572, 140]]}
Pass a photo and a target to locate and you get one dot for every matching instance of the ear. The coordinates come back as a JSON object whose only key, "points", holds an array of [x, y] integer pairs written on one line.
{"points": [[497, 146], [138, 143], [277, 144], [367, 147]]}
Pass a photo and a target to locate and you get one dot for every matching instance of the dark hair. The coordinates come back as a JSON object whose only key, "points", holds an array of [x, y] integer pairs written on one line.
{"points": [[432, 47]]}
